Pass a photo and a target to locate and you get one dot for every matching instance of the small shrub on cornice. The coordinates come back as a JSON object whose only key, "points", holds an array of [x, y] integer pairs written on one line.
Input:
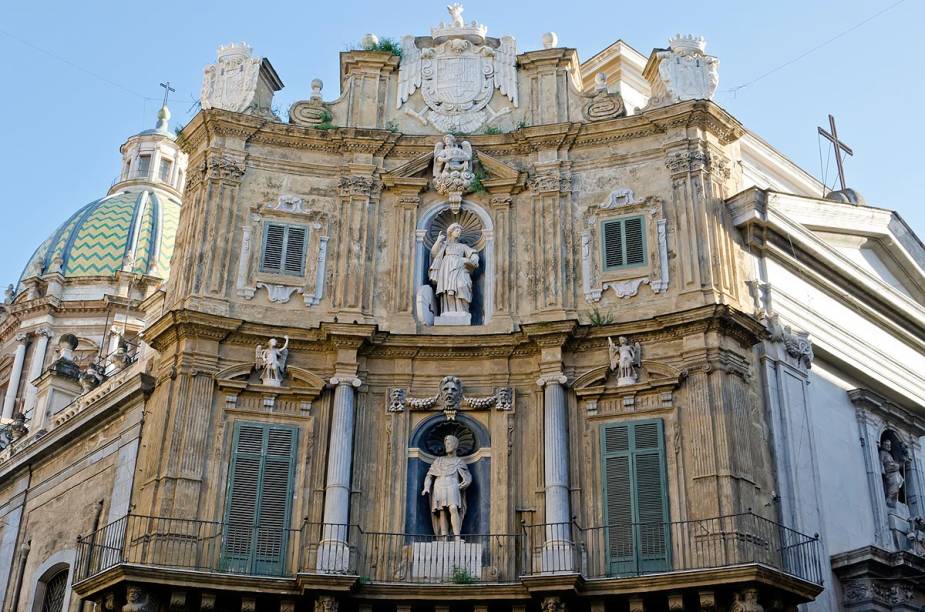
{"points": [[476, 186], [600, 318], [392, 126], [492, 130], [386, 45]]}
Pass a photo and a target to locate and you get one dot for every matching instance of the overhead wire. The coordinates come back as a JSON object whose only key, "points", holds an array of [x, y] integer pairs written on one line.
{"points": [[737, 88]]}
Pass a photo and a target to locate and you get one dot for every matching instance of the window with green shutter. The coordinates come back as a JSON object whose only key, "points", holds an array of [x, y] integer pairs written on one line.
{"points": [[623, 243], [284, 249], [637, 533], [259, 498]]}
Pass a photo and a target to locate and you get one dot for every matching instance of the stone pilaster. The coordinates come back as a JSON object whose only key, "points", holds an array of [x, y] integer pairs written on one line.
{"points": [[551, 239], [504, 248], [12, 386], [40, 347], [356, 237]]}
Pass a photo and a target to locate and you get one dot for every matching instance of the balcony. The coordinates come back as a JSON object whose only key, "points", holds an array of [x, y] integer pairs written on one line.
{"points": [[607, 560]]}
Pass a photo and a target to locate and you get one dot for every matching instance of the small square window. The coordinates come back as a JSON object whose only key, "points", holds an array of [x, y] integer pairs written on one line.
{"points": [[623, 243]]}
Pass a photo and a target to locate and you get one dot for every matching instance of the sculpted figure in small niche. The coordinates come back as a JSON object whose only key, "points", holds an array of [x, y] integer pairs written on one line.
{"points": [[446, 483], [453, 168], [892, 472], [624, 359], [451, 265], [271, 362]]}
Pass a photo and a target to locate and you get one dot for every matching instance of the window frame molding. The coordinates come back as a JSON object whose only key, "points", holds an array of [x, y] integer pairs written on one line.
{"points": [[622, 219], [48, 569], [625, 281]]}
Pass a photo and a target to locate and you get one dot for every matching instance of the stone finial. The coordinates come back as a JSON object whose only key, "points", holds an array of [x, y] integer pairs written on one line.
{"points": [[317, 86], [9, 294], [369, 41], [550, 40], [600, 81], [66, 346]]}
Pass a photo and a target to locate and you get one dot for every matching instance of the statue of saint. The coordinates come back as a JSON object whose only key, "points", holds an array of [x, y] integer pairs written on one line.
{"points": [[451, 265], [624, 359], [271, 362], [446, 483], [892, 472]]}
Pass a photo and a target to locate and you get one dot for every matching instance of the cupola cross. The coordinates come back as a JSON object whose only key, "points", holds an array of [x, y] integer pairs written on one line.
{"points": [[167, 90], [839, 147]]}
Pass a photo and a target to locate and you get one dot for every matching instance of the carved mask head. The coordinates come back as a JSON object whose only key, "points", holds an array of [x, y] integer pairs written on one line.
{"points": [[451, 392]]}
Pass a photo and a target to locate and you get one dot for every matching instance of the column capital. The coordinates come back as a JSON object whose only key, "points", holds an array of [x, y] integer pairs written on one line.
{"points": [[352, 381], [546, 379], [43, 331], [23, 337]]}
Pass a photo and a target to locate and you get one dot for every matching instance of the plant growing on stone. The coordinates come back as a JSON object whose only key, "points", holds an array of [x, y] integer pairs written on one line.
{"points": [[601, 318], [462, 576], [491, 130]]}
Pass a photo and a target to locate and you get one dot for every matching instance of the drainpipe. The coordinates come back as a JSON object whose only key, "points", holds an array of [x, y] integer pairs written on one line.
{"points": [[23, 557]]}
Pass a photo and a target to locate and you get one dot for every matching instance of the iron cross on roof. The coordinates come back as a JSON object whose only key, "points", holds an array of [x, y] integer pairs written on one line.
{"points": [[167, 90], [839, 147]]}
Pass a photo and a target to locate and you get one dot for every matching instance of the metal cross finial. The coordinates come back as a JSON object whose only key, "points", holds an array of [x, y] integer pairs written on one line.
{"points": [[839, 147], [167, 90]]}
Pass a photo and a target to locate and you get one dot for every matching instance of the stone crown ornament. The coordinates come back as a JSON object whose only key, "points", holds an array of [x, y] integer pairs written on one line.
{"points": [[457, 70]]}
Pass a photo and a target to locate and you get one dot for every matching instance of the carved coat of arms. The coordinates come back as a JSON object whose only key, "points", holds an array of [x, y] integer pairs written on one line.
{"points": [[457, 69], [231, 82]]}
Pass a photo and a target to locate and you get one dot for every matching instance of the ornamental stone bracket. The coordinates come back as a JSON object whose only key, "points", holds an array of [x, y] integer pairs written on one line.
{"points": [[279, 288], [796, 344], [625, 284], [450, 399]]}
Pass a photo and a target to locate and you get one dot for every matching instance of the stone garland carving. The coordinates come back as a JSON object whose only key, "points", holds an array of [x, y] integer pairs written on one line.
{"points": [[271, 362], [685, 72], [623, 200], [797, 344], [551, 182], [450, 399], [625, 359], [602, 104], [870, 591], [457, 71]]}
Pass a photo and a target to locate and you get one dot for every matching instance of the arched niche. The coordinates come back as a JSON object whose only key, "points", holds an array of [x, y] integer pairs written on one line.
{"points": [[425, 445], [898, 453], [478, 232]]}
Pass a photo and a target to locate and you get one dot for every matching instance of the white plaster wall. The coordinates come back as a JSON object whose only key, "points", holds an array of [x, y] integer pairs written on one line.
{"points": [[848, 518]]}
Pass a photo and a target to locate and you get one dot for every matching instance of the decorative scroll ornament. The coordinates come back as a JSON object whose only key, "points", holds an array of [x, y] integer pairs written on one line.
{"points": [[457, 70], [602, 104], [797, 344], [450, 399]]}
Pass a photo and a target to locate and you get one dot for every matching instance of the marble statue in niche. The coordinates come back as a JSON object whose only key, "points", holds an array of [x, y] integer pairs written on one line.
{"points": [[892, 473], [446, 482], [271, 362], [625, 358], [451, 266]]}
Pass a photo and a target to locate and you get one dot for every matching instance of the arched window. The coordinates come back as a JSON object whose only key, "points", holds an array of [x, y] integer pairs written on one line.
{"points": [[55, 590]]}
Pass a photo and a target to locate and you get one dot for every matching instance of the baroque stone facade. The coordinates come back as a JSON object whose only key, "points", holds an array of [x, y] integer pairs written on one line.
{"points": [[540, 365]]}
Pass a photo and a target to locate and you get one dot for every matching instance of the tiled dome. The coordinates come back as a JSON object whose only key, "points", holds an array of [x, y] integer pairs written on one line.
{"points": [[128, 230]]}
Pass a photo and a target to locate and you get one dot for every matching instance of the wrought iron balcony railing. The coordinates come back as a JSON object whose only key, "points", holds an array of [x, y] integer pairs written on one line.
{"points": [[595, 553]]}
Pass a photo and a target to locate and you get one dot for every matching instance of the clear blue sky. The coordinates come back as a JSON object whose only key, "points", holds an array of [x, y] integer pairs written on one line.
{"points": [[64, 127]]}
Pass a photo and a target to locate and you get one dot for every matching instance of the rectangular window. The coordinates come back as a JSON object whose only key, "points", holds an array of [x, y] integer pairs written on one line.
{"points": [[259, 498], [144, 166], [284, 249], [637, 532], [623, 243], [163, 172]]}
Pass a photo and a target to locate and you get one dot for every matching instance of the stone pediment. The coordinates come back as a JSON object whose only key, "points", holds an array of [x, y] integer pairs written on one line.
{"points": [[500, 176], [602, 381], [244, 377]]}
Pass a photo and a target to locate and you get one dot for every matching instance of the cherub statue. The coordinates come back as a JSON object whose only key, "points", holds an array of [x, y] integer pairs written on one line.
{"points": [[625, 358], [271, 362], [446, 483], [456, 13], [452, 165]]}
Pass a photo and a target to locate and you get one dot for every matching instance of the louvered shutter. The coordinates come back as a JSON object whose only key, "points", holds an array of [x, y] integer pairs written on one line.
{"points": [[274, 238], [613, 244], [635, 498], [294, 261], [635, 241], [259, 498], [623, 243]]}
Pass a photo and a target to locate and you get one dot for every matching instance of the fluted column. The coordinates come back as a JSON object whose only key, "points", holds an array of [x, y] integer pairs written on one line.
{"points": [[557, 552], [35, 369], [333, 552], [9, 401]]}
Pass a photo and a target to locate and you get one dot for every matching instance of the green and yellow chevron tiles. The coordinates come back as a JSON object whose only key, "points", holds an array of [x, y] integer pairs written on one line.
{"points": [[100, 238]]}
